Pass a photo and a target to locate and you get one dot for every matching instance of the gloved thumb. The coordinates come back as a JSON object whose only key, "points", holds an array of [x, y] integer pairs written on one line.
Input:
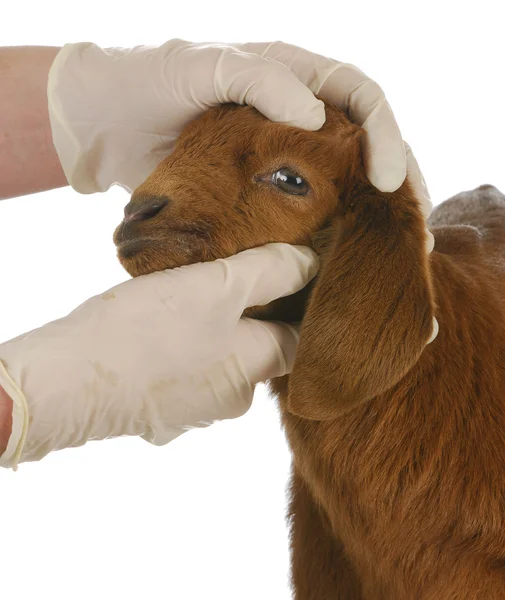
{"points": [[267, 349], [260, 275], [252, 277]]}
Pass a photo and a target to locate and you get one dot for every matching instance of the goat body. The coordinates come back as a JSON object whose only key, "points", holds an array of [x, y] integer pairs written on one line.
{"points": [[402, 496], [398, 485]]}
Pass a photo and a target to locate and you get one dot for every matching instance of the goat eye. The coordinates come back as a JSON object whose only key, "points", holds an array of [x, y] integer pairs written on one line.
{"points": [[290, 182]]}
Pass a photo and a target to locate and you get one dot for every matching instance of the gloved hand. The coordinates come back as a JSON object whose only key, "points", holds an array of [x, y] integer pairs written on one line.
{"points": [[153, 356], [116, 113]]}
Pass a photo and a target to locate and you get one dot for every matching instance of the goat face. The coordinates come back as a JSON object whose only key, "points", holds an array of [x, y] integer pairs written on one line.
{"points": [[234, 181]]}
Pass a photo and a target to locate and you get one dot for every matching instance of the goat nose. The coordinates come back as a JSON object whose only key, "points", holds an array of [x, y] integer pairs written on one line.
{"points": [[142, 209]]}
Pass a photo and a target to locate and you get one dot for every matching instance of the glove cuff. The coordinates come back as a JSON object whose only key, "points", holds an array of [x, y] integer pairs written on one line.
{"points": [[11, 456], [84, 115], [100, 103], [65, 141]]}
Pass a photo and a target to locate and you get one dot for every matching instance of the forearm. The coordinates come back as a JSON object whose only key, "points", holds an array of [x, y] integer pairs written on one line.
{"points": [[28, 160], [5, 420]]}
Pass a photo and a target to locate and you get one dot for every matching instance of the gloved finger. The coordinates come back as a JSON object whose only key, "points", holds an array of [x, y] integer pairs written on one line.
{"points": [[260, 275], [351, 90], [266, 349], [230, 285], [416, 179], [269, 86], [434, 332], [418, 183], [366, 104]]}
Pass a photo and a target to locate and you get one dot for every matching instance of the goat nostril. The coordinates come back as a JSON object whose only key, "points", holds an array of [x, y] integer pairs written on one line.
{"points": [[145, 209]]}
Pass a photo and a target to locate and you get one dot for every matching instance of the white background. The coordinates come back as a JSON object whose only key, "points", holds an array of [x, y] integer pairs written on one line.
{"points": [[204, 516]]}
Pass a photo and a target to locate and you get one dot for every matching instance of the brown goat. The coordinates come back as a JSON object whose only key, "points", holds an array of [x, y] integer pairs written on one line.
{"points": [[398, 487]]}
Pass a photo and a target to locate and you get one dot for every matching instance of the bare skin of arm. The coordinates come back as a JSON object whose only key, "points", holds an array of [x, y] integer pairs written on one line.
{"points": [[28, 160], [5, 420]]}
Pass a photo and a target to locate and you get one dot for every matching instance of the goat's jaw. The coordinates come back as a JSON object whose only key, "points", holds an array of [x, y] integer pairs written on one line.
{"points": [[141, 256]]}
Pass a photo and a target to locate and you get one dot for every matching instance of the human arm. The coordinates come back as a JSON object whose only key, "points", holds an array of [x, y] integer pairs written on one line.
{"points": [[116, 112], [153, 356], [28, 160], [5, 419]]}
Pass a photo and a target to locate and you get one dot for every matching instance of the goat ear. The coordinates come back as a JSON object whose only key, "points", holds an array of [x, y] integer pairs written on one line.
{"points": [[371, 312]]}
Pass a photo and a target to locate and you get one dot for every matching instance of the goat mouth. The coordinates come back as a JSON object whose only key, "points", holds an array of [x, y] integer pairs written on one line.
{"points": [[184, 237], [129, 248]]}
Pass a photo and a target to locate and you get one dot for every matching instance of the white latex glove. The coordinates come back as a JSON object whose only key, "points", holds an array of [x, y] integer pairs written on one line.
{"points": [[153, 356], [116, 113]]}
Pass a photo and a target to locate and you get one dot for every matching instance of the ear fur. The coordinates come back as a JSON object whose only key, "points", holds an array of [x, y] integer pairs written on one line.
{"points": [[371, 312]]}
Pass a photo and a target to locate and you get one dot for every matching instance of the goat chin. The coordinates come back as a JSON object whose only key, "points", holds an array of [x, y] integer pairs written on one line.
{"points": [[398, 483]]}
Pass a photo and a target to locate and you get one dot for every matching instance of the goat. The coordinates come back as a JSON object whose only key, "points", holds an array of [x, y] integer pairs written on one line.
{"points": [[398, 483]]}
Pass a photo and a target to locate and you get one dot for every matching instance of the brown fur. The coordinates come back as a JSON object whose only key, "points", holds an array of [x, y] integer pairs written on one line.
{"points": [[398, 488]]}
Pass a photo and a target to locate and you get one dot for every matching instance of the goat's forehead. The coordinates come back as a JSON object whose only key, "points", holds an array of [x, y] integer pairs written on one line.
{"points": [[250, 120], [246, 131], [239, 135]]}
